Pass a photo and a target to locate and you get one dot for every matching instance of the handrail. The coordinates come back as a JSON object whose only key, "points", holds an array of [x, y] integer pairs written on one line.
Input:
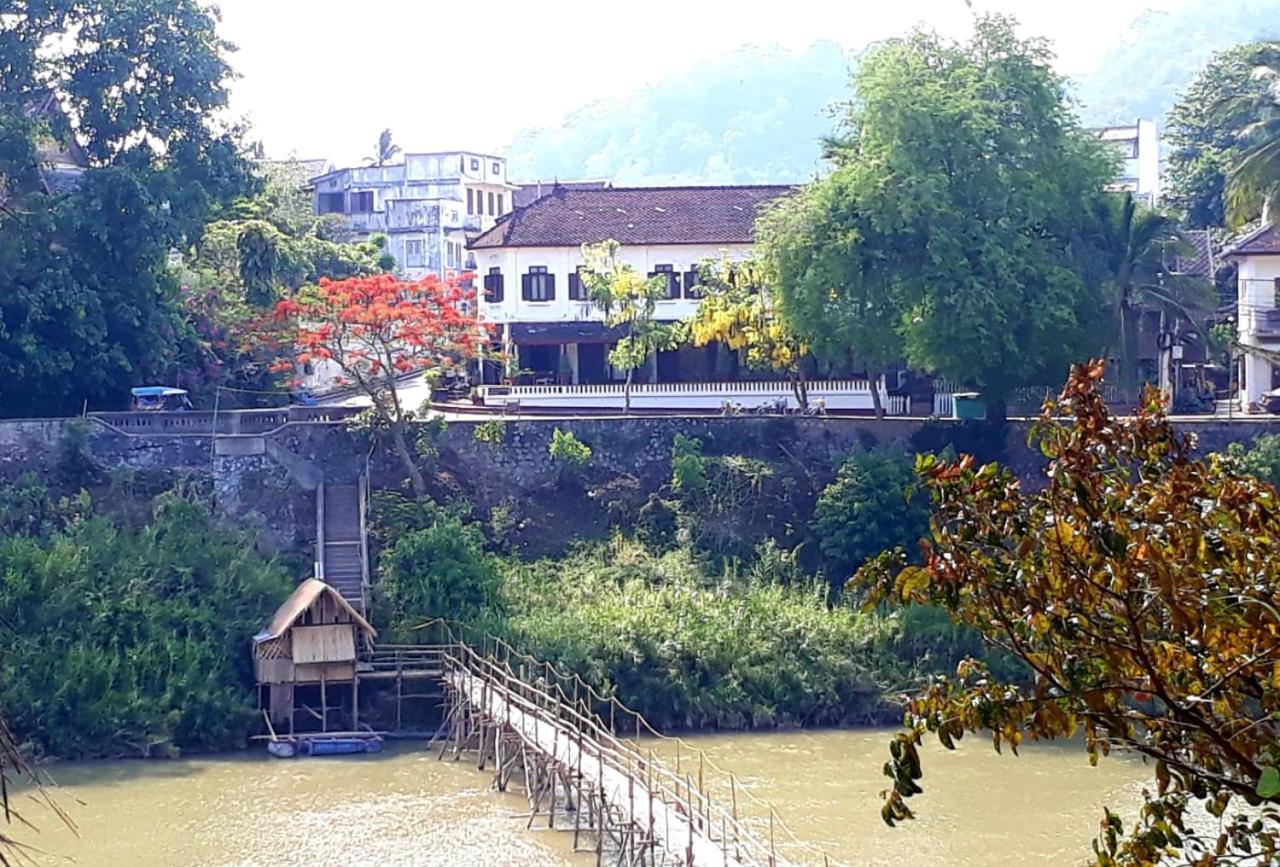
{"points": [[595, 721]]}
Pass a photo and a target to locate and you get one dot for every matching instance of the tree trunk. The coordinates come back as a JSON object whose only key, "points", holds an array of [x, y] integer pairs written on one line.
{"points": [[406, 457], [626, 391], [875, 395], [800, 387]]}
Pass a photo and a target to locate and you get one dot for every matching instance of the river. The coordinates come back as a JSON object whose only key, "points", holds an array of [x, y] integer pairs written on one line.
{"points": [[405, 808]]}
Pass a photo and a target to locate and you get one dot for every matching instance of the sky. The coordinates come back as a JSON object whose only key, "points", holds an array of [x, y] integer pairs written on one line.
{"points": [[321, 78]]}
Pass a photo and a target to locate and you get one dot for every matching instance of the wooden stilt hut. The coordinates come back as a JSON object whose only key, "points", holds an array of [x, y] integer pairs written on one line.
{"points": [[314, 638]]}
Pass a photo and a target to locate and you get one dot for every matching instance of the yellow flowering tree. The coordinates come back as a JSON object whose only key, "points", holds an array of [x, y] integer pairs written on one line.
{"points": [[629, 300], [739, 309]]}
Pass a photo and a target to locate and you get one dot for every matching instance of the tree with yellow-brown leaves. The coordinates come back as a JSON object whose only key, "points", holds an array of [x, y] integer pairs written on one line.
{"points": [[739, 309], [1141, 587]]}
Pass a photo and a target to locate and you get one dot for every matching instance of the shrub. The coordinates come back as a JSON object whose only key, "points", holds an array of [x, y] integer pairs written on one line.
{"points": [[688, 466], [686, 650], [439, 568], [493, 433], [869, 508], [568, 448], [1262, 460], [133, 642]]}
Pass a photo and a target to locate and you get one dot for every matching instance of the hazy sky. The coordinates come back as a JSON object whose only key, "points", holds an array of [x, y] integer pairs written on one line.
{"points": [[323, 77]]}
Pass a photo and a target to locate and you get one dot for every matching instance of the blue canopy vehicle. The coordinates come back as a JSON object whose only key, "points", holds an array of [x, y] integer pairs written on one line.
{"points": [[160, 398]]}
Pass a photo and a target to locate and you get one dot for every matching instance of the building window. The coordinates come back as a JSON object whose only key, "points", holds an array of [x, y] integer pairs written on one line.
{"points": [[493, 286], [538, 285], [492, 212], [692, 285], [475, 165], [329, 203], [362, 202], [471, 201], [672, 276], [577, 291], [414, 253], [1275, 294], [497, 168], [500, 205]]}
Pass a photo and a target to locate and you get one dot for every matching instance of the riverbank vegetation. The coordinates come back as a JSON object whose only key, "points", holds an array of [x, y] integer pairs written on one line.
{"points": [[127, 637]]}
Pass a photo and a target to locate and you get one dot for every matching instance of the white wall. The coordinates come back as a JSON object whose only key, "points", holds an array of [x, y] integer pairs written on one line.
{"points": [[1255, 294], [563, 261]]}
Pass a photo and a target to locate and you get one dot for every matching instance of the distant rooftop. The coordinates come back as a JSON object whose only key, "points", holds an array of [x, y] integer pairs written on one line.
{"points": [[567, 217], [530, 191], [1262, 241]]}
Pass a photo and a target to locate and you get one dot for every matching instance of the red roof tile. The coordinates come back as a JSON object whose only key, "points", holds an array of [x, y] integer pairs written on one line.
{"points": [[634, 215]]}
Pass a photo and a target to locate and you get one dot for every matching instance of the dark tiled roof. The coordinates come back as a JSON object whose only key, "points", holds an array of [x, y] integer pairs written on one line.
{"points": [[1265, 241], [634, 215], [1197, 259], [530, 192]]}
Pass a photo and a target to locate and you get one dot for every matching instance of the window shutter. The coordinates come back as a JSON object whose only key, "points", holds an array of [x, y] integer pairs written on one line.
{"points": [[551, 286], [526, 287], [691, 283]]}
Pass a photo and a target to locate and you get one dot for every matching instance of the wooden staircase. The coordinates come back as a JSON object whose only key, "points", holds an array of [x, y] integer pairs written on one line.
{"points": [[343, 557]]}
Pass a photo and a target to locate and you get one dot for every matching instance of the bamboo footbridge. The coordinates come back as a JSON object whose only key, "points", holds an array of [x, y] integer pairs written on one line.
{"points": [[592, 766]]}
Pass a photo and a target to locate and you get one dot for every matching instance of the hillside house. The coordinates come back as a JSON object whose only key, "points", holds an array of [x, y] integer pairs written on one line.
{"points": [[1138, 146], [1257, 257]]}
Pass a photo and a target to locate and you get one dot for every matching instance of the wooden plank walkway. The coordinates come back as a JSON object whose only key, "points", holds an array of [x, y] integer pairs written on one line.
{"points": [[612, 791], [623, 781]]}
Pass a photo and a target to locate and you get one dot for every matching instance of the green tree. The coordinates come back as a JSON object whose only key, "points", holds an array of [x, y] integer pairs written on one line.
{"points": [[628, 300], [740, 310], [435, 566], [1261, 459], [833, 289], [1254, 180], [962, 180], [1135, 247], [386, 150], [1140, 588], [1202, 132], [88, 305], [869, 508]]}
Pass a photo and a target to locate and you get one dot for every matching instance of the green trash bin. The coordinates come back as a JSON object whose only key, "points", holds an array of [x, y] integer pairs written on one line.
{"points": [[968, 406]]}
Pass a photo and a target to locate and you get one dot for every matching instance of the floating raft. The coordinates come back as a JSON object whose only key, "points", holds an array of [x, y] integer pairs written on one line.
{"points": [[324, 745]]}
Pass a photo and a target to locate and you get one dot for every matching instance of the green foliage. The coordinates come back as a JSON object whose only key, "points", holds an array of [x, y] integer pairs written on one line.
{"points": [[432, 564], [128, 642], [667, 640], [1262, 459], [492, 433], [960, 188], [688, 466], [89, 306], [870, 507], [1203, 133], [1140, 75], [1139, 587], [568, 448], [628, 300]]}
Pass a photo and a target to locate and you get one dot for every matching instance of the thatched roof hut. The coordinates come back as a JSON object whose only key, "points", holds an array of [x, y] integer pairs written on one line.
{"points": [[314, 635]]}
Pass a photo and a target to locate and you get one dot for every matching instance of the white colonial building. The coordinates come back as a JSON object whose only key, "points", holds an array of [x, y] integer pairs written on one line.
{"points": [[1139, 148], [427, 206], [1257, 257], [527, 266]]}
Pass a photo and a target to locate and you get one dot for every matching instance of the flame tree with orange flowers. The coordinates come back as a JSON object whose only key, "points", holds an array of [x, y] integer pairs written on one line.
{"points": [[378, 329]]}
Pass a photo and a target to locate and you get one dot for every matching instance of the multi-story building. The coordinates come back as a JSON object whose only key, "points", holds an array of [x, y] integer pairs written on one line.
{"points": [[427, 206], [528, 267], [1139, 149], [1257, 258]]}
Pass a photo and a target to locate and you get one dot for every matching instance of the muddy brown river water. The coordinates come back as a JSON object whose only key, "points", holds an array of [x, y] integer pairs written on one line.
{"points": [[406, 808]]}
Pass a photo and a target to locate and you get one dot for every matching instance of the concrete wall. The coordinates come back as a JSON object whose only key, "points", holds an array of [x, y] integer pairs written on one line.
{"points": [[269, 481]]}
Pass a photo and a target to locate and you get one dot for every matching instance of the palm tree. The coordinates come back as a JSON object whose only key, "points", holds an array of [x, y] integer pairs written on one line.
{"points": [[386, 150], [1136, 246], [1254, 180]]}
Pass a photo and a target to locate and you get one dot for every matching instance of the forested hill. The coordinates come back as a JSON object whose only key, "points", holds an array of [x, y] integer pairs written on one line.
{"points": [[757, 114]]}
